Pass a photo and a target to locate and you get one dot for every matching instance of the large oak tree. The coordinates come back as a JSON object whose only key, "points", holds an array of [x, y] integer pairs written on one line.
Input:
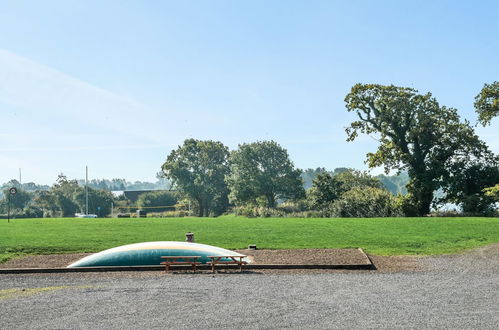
{"points": [[198, 169], [263, 170], [415, 134]]}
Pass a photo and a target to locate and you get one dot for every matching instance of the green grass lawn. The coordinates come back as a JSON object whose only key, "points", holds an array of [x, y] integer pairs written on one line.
{"points": [[383, 236]]}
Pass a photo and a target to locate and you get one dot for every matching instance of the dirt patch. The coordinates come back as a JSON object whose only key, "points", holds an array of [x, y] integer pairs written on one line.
{"points": [[293, 257], [44, 261], [307, 257]]}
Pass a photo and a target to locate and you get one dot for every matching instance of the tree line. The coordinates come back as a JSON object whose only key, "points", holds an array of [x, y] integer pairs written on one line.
{"points": [[438, 157], [418, 136]]}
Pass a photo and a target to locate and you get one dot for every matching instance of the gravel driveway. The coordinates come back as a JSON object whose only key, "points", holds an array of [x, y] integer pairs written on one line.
{"points": [[449, 292]]}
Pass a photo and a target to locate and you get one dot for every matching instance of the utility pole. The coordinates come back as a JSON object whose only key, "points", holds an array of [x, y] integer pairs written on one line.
{"points": [[20, 181], [8, 208], [12, 192], [86, 190]]}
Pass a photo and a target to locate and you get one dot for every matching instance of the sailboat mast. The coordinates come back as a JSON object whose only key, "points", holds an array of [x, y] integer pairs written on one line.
{"points": [[86, 189]]}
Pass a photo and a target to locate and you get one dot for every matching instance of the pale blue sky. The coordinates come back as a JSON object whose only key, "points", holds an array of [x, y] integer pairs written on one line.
{"points": [[118, 84]]}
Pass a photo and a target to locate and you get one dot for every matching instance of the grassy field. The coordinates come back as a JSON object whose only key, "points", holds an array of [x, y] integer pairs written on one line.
{"points": [[383, 236]]}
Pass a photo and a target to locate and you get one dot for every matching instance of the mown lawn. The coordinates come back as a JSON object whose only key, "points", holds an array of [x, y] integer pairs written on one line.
{"points": [[383, 236]]}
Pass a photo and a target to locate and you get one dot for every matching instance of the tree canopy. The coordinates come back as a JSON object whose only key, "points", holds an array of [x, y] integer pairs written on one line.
{"points": [[263, 171], [198, 169], [467, 183], [158, 198], [487, 103], [327, 187], [415, 134]]}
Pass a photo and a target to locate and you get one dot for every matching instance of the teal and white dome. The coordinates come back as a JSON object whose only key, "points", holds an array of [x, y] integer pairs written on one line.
{"points": [[150, 253]]}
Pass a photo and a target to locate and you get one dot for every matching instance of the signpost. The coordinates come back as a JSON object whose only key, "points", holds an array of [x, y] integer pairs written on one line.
{"points": [[12, 191]]}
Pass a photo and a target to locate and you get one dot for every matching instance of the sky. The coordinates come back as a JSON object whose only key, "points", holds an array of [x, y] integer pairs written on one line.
{"points": [[117, 85]]}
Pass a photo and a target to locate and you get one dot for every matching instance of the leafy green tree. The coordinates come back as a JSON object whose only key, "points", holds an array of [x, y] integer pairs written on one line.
{"points": [[198, 170], [47, 202], [327, 187], [99, 201], [308, 176], [18, 201], [64, 191], [487, 103], [467, 183], [262, 171], [158, 198], [365, 202], [396, 184], [415, 134]]}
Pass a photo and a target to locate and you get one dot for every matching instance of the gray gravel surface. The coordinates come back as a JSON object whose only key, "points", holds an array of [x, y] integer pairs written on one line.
{"points": [[451, 292]]}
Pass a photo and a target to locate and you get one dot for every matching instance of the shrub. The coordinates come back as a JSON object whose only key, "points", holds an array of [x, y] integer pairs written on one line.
{"points": [[168, 214], [365, 202], [157, 199]]}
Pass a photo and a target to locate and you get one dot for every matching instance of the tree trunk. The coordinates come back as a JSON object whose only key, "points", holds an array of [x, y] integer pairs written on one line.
{"points": [[206, 209], [423, 198], [200, 208], [270, 200]]}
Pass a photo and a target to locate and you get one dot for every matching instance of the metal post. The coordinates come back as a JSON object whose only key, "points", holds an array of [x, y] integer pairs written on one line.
{"points": [[8, 209], [112, 210], [86, 190]]}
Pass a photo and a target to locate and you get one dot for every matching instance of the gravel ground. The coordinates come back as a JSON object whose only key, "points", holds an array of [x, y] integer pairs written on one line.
{"points": [[447, 292]]}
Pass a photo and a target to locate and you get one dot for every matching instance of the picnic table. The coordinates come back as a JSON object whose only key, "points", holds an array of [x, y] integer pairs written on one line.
{"points": [[217, 260], [180, 260]]}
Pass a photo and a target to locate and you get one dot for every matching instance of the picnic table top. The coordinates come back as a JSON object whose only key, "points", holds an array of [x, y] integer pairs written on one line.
{"points": [[177, 257], [220, 257]]}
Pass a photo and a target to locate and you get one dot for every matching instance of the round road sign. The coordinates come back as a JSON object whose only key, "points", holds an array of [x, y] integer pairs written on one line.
{"points": [[13, 191]]}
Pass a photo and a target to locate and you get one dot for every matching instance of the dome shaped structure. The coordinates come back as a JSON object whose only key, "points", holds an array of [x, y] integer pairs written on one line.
{"points": [[149, 253]]}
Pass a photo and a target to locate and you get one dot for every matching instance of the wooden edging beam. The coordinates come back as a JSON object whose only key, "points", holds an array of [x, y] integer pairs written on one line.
{"points": [[162, 268]]}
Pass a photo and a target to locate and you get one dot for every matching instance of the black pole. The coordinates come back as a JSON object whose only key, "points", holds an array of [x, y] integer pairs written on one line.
{"points": [[8, 209]]}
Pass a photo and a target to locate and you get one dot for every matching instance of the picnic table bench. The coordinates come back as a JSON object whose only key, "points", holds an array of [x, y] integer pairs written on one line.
{"points": [[217, 260], [180, 260]]}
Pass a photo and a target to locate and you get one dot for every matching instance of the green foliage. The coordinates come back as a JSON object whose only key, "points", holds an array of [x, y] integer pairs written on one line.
{"points": [[47, 202], [415, 134], [198, 170], [168, 214], [263, 170], [396, 184], [66, 197], [388, 236], [294, 209], [64, 192], [327, 188], [487, 103], [308, 176], [365, 202], [467, 183], [492, 192], [99, 201], [17, 202], [158, 198]]}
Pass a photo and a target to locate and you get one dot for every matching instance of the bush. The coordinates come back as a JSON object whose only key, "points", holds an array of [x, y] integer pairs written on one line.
{"points": [[288, 210], [407, 204], [365, 202], [156, 199], [168, 214]]}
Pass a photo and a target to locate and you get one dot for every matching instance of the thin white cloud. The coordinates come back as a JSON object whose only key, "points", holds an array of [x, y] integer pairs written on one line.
{"points": [[37, 90]]}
